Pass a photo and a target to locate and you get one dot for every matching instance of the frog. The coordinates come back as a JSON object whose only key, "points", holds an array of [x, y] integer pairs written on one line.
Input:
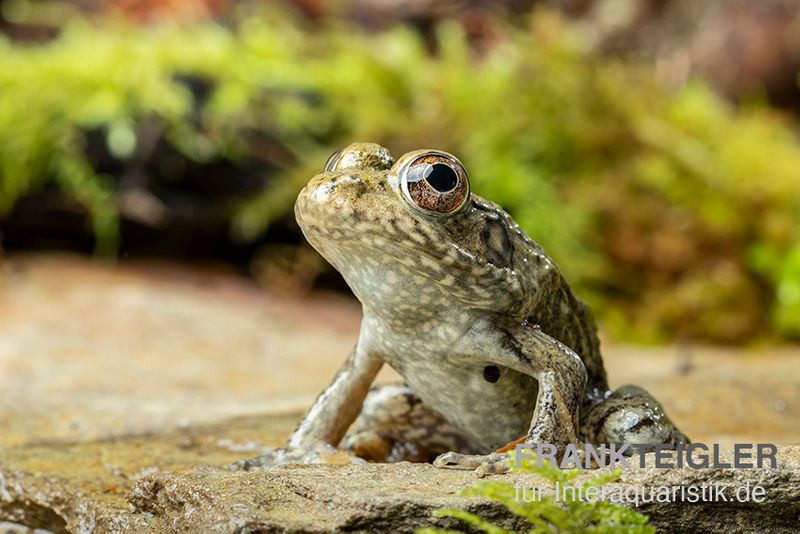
{"points": [[494, 347]]}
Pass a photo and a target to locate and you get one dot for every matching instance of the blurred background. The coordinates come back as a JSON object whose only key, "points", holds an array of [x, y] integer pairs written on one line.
{"points": [[651, 146]]}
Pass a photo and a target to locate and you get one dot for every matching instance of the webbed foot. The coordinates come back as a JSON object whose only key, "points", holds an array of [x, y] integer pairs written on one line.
{"points": [[483, 464]]}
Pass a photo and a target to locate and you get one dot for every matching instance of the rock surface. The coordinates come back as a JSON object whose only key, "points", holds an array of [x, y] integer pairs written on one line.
{"points": [[402, 497], [125, 392], [82, 491]]}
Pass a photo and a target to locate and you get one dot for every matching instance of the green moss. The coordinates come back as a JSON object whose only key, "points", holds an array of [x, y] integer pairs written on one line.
{"points": [[574, 513]]}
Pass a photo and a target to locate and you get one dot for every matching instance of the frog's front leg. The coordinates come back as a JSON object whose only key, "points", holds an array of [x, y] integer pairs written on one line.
{"points": [[562, 379], [325, 423]]}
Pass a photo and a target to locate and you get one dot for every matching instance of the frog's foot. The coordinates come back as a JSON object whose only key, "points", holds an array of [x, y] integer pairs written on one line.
{"points": [[319, 454], [265, 460], [483, 464], [630, 415], [396, 425]]}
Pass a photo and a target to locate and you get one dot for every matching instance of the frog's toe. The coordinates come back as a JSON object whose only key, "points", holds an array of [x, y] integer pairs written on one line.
{"points": [[322, 454], [493, 464], [253, 464], [679, 438], [483, 464], [454, 460]]}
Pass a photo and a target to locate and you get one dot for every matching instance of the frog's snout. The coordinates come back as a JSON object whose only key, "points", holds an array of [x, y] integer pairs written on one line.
{"points": [[320, 189], [331, 199], [333, 189]]}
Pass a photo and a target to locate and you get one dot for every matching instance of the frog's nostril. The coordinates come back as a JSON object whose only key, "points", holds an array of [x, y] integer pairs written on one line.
{"points": [[322, 192]]}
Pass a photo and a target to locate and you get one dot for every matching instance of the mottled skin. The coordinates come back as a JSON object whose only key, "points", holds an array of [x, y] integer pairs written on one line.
{"points": [[491, 341]]}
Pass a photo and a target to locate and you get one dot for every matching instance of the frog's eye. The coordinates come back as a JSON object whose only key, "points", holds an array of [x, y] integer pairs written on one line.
{"points": [[435, 182]]}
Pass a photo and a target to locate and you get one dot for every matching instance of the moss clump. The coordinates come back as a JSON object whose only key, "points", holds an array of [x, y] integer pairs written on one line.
{"points": [[575, 513]]}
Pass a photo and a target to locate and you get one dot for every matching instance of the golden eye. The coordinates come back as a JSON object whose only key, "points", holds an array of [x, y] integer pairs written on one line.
{"points": [[436, 183]]}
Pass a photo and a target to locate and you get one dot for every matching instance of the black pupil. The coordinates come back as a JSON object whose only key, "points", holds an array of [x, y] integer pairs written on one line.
{"points": [[491, 373], [442, 177]]}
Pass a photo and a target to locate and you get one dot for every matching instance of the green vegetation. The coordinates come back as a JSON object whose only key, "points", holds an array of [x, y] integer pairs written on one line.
{"points": [[576, 513], [673, 213]]}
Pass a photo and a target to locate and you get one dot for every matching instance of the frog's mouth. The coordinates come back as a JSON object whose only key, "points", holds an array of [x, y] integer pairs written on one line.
{"points": [[460, 273]]}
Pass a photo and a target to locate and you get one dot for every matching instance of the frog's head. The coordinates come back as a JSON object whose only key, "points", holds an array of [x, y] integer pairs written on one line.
{"points": [[408, 234]]}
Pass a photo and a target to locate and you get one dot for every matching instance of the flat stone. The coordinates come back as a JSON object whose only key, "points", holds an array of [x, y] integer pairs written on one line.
{"points": [[91, 350], [148, 484]]}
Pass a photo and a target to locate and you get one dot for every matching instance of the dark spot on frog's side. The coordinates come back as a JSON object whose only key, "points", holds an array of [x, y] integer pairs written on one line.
{"points": [[411, 400], [491, 373]]}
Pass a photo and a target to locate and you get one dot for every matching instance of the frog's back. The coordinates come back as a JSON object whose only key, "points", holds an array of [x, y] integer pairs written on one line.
{"points": [[549, 301], [567, 318]]}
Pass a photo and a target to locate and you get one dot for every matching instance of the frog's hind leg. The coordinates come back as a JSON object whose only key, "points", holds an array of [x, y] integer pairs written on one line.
{"points": [[395, 425], [629, 415]]}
